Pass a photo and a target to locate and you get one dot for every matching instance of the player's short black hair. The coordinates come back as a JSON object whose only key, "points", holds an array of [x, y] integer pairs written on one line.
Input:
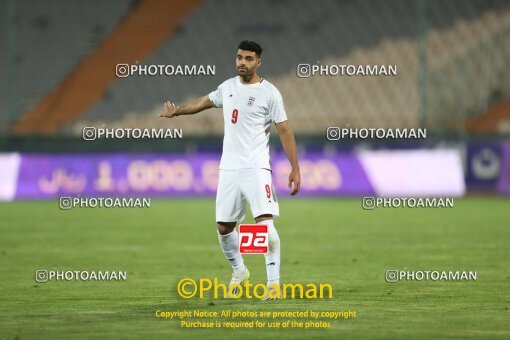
{"points": [[249, 45]]}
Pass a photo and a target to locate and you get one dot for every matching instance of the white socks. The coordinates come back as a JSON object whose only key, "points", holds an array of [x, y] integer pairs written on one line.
{"points": [[230, 245], [273, 254]]}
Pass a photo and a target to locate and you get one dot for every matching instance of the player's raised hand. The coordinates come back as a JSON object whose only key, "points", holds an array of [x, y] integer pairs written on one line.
{"points": [[294, 182], [170, 110]]}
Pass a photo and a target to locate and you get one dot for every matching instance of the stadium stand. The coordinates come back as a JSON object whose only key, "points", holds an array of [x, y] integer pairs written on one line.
{"points": [[457, 31], [467, 46], [49, 39], [496, 118], [146, 27]]}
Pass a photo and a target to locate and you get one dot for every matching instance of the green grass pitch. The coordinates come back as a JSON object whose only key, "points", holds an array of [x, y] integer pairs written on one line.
{"points": [[323, 240]]}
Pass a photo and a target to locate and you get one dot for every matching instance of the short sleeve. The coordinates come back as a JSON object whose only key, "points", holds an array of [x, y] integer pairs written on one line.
{"points": [[216, 96], [275, 107]]}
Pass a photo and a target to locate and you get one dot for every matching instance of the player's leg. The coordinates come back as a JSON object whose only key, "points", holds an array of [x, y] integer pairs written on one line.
{"points": [[230, 208], [257, 186], [229, 243], [273, 255]]}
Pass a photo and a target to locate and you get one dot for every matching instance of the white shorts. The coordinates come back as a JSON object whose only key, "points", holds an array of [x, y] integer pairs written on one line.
{"points": [[236, 187]]}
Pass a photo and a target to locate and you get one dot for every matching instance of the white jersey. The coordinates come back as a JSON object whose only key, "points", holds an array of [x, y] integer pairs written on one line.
{"points": [[248, 111]]}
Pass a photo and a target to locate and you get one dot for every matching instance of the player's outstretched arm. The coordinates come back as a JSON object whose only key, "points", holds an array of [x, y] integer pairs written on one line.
{"points": [[195, 106], [290, 148]]}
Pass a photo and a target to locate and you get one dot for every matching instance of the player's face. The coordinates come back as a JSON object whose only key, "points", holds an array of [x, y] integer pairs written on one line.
{"points": [[247, 62]]}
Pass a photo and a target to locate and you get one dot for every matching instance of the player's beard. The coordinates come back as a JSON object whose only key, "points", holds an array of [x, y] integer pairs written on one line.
{"points": [[247, 73]]}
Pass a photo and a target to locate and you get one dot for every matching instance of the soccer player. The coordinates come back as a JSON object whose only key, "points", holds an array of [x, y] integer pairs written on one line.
{"points": [[250, 104]]}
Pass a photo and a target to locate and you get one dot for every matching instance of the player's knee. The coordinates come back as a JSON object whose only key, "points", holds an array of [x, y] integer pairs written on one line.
{"points": [[274, 240], [265, 217], [273, 237], [225, 228]]}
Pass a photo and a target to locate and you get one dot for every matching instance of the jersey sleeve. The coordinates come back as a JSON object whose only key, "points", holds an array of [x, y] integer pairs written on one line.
{"points": [[276, 108], [216, 96]]}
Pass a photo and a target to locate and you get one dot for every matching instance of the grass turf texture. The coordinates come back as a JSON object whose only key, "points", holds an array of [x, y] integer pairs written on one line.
{"points": [[323, 240]]}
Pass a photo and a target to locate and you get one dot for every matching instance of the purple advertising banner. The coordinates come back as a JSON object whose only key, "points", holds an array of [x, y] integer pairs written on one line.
{"points": [[483, 165], [504, 178], [45, 176]]}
